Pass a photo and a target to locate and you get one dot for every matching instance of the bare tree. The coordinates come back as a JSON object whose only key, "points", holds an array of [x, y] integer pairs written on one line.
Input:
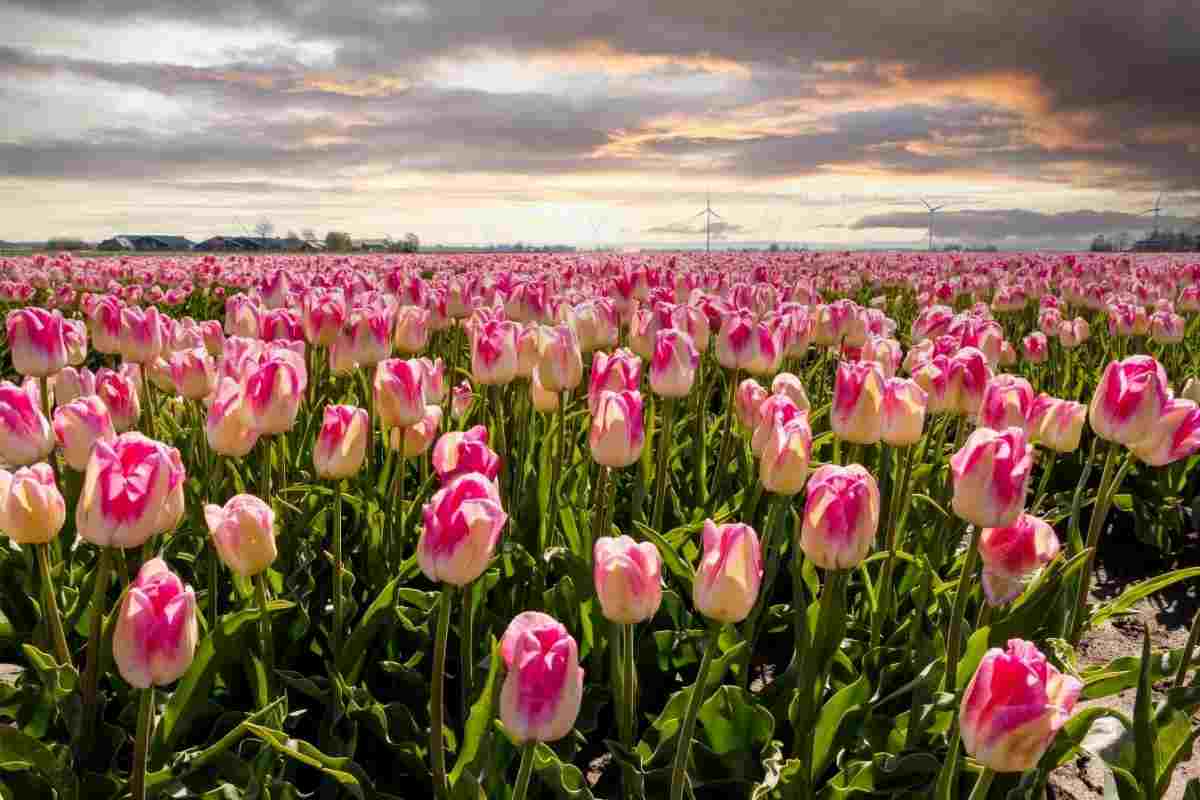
{"points": [[264, 229]]}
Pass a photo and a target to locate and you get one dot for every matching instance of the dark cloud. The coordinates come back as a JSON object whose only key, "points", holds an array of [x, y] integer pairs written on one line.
{"points": [[1016, 223], [717, 230]]}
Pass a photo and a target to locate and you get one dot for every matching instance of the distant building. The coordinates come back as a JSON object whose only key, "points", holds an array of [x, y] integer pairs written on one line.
{"points": [[374, 245], [143, 243], [257, 244]]}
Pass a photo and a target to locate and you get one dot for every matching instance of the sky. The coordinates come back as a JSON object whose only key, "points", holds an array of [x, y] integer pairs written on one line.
{"points": [[597, 122]]}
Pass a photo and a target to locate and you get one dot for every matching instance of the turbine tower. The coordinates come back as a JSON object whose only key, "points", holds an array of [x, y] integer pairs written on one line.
{"points": [[1157, 209], [932, 210], [708, 215]]}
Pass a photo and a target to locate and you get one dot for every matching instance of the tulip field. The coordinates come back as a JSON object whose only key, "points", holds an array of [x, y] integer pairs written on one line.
{"points": [[771, 526]]}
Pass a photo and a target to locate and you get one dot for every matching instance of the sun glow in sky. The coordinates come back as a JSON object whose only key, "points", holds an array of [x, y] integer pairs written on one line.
{"points": [[594, 122]]}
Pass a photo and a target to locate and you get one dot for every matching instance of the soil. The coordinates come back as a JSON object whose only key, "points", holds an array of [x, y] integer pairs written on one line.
{"points": [[1168, 614]]}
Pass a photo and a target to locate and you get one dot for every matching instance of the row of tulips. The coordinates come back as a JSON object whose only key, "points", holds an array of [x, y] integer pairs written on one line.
{"points": [[297, 472]]}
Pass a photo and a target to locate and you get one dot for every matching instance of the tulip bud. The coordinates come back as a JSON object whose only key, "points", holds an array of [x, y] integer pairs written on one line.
{"points": [[776, 410], [243, 533], [323, 314], [1011, 554], [884, 352], [342, 442], [1131, 396], [413, 440], [272, 396], [463, 521], [618, 372], [560, 365], [902, 414], [841, 515], [25, 435], [786, 383], [617, 432], [1014, 706], [32, 510], [71, 383], [730, 572], [857, 412], [400, 392], [991, 474], [462, 398], [194, 373], [214, 337], [76, 340], [227, 428], [543, 689], [459, 452], [745, 344], [1056, 424], [132, 490], [673, 366], [785, 456], [628, 578], [969, 376], [933, 376], [412, 329], [747, 400], [1173, 435], [1036, 348], [141, 335], [78, 425], [154, 639], [1007, 402], [35, 340], [119, 392], [494, 352], [158, 372]]}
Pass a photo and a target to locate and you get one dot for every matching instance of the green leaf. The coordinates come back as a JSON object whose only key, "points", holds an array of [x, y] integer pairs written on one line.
{"points": [[1122, 673], [221, 647], [1067, 741], [734, 722], [1143, 728], [977, 646], [354, 650], [565, 780], [830, 719], [343, 770], [479, 722], [675, 562], [1139, 591]]}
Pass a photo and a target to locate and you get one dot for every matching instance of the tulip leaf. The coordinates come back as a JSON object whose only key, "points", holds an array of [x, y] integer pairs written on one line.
{"points": [[221, 647], [354, 650], [1139, 591], [479, 722], [734, 722], [1143, 728], [829, 721], [674, 562], [977, 646], [1122, 673], [348, 774], [565, 780], [1069, 738], [20, 752]]}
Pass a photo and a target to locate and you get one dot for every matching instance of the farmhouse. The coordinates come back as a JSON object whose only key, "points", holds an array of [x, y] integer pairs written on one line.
{"points": [[256, 244], [144, 242]]}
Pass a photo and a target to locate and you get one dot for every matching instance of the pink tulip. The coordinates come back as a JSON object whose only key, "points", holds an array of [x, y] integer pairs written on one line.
{"points": [[776, 410], [617, 433], [543, 400], [412, 329], [1056, 424], [120, 395], [414, 440], [1007, 402], [543, 689], [78, 425], [141, 334], [272, 396], [280, 324], [1014, 706], [194, 373], [342, 442], [786, 455], [459, 452], [35, 340], [32, 510], [25, 435], [644, 326], [158, 372], [154, 639], [841, 515], [494, 352], [1167, 328], [1172, 436], [933, 376], [243, 316], [747, 399], [1011, 554], [785, 383], [214, 337], [227, 426], [673, 365], [1130, 398], [243, 533], [131, 491], [1036, 348], [560, 364], [990, 475], [902, 413], [71, 383], [104, 321], [747, 345], [368, 336], [618, 372], [969, 376], [75, 338], [884, 352], [730, 572], [528, 349], [400, 392], [323, 314], [857, 412], [628, 579], [462, 527]]}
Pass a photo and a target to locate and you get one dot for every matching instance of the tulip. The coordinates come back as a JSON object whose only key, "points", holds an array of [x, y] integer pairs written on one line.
{"points": [[857, 412], [1056, 424], [323, 315], [730, 572], [990, 475], [673, 365], [933, 376], [776, 410], [194, 373], [1173, 436], [747, 399], [747, 345], [1036, 348], [969, 376], [841, 515], [272, 396], [618, 372], [902, 413], [786, 383], [71, 383], [884, 352], [214, 337], [1014, 706], [542, 692], [459, 452], [131, 491], [462, 525], [35, 340], [243, 533], [413, 440], [25, 435], [617, 433], [399, 390], [412, 329], [119, 392], [785, 456], [158, 372], [1007, 402], [367, 337], [78, 425], [462, 398], [494, 352], [628, 578], [141, 335], [1010, 554], [1131, 396], [32, 510], [75, 338], [155, 635], [227, 427], [341, 445], [528, 349], [560, 364]]}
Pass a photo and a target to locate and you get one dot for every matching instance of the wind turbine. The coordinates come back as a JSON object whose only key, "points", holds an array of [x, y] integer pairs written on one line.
{"points": [[708, 215], [932, 210], [1156, 209]]}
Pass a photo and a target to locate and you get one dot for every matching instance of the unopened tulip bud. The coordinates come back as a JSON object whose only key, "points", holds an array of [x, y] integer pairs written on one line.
{"points": [[1035, 348], [747, 399], [543, 689], [462, 398], [227, 427], [617, 433], [78, 425], [1131, 396], [71, 383], [35, 341], [272, 396], [902, 412], [560, 364], [412, 329], [990, 475], [141, 335], [342, 442], [413, 440], [841, 515], [1056, 424], [32, 510], [194, 373], [154, 639], [462, 525], [857, 412], [618, 372], [1173, 436], [673, 365], [785, 456], [400, 392], [969, 376], [1007, 403], [243, 533], [494, 352], [25, 435], [120, 395], [1014, 706], [628, 578], [786, 383], [1013, 553], [730, 572], [75, 338], [459, 452]]}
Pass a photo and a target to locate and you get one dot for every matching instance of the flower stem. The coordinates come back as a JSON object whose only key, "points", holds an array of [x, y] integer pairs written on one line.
{"points": [[982, 784], [526, 770], [437, 751], [53, 618], [338, 488], [91, 676], [661, 478], [684, 747], [556, 475], [723, 459], [954, 633], [145, 724], [1095, 526], [268, 640], [892, 525], [1188, 650]]}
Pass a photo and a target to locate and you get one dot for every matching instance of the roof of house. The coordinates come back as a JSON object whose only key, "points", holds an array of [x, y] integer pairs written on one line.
{"points": [[172, 242]]}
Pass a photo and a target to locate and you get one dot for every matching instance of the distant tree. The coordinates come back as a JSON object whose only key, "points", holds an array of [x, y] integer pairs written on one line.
{"points": [[309, 235], [774, 248], [66, 243], [338, 242], [411, 243], [1101, 244], [265, 229]]}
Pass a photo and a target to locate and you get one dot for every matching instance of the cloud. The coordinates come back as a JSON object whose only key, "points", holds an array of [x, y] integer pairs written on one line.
{"points": [[717, 230], [1015, 223]]}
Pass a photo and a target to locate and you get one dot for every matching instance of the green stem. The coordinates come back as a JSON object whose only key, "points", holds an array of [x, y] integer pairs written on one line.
{"points": [[600, 514], [91, 676], [145, 724], [213, 582], [1188, 650], [1047, 470], [629, 684], [53, 618], [556, 474], [338, 489], [982, 784], [437, 750], [961, 593], [526, 770], [683, 748], [467, 645], [892, 525], [722, 464], [268, 638], [817, 658], [661, 477], [1095, 525], [775, 534]]}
